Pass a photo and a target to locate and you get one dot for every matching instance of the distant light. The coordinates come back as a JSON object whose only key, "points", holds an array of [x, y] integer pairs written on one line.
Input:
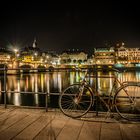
{"points": [[15, 50], [35, 54], [17, 55], [8, 56]]}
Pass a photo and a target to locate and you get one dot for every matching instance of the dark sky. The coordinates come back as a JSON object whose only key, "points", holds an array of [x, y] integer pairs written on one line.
{"points": [[60, 26]]}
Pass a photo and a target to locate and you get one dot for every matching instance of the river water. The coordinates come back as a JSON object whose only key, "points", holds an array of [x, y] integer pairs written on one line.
{"points": [[52, 82]]}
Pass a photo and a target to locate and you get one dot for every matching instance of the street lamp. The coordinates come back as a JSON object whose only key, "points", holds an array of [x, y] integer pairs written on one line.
{"points": [[16, 53], [15, 50]]}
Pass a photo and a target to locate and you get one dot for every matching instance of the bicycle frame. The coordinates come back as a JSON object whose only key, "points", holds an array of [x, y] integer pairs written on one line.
{"points": [[109, 103]]}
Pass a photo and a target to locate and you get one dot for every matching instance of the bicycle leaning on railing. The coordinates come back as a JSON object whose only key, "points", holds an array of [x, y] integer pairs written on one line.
{"points": [[76, 100]]}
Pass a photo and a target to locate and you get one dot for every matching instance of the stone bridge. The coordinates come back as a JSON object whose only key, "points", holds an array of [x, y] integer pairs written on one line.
{"points": [[14, 67]]}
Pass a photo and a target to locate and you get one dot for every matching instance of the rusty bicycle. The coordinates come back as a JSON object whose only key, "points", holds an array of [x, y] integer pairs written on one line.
{"points": [[77, 99]]}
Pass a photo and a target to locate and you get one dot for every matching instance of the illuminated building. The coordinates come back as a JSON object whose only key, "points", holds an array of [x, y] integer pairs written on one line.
{"points": [[125, 55], [31, 53], [73, 56], [5, 56], [104, 56]]}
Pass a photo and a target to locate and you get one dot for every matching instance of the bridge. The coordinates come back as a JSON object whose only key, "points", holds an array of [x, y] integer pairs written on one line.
{"points": [[30, 67]]}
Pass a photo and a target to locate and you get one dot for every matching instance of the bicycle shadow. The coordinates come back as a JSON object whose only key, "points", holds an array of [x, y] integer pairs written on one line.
{"points": [[50, 133], [101, 117]]}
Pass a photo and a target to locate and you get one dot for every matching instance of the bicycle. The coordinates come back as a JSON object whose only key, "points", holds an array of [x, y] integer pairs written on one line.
{"points": [[77, 99]]}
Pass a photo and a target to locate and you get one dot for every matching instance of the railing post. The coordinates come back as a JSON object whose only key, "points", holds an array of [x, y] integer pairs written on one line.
{"points": [[96, 89], [46, 101], [5, 93]]}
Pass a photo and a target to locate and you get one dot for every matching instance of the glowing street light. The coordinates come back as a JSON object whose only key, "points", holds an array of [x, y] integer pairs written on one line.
{"points": [[35, 54], [15, 50], [16, 53]]}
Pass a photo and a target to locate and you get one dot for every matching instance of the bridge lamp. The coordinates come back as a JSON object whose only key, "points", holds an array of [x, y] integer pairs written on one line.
{"points": [[35, 54], [16, 51]]}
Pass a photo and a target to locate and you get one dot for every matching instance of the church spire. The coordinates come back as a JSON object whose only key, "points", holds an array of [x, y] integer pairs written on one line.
{"points": [[34, 43]]}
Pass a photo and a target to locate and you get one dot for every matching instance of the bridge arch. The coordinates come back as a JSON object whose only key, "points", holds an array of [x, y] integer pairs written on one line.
{"points": [[26, 68], [41, 68]]}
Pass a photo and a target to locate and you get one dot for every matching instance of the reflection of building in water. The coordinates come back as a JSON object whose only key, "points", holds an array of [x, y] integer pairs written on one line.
{"points": [[59, 82], [128, 76], [17, 95], [17, 99], [42, 82], [77, 77], [105, 84], [53, 82], [137, 76], [74, 77], [47, 78], [56, 82]]}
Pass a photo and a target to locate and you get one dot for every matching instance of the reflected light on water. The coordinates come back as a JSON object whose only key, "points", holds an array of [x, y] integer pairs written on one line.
{"points": [[33, 83], [42, 82], [36, 83], [59, 82], [72, 75], [18, 86], [36, 99], [47, 83], [137, 76], [17, 99], [26, 84], [55, 82]]}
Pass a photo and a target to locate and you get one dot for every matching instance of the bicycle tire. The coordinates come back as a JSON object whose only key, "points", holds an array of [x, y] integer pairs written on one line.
{"points": [[73, 107], [127, 102]]}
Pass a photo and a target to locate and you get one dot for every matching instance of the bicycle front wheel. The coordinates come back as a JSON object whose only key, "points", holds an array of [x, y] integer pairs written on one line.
{"points": [[75, 101], [127, 102]]}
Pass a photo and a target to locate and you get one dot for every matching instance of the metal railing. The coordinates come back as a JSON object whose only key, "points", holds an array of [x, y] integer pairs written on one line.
{"points": [[4, 72], [5, 69]]}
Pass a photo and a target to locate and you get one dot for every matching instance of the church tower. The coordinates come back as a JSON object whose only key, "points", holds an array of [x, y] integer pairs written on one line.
{"points": [[34, 43]]}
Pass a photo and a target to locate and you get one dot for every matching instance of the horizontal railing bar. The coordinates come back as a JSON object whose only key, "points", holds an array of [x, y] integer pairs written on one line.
{"points": [[23, 106], [24, 92], [23, 69], [31, 68], [102, 76], [57, 93]]}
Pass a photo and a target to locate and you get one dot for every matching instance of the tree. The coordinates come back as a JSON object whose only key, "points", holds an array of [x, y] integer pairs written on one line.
{"points": [[69, 60], [74, 61], [63, 61], [80, 61]]}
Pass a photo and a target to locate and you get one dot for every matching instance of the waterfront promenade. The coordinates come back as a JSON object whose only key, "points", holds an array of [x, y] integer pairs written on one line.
{"points": [[28, 124]]}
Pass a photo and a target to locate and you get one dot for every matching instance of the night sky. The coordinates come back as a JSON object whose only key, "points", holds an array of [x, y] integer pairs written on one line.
{"points": [[62, 26]]}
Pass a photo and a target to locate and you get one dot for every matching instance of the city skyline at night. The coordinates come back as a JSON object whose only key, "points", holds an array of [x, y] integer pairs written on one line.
{"points": [[63, 26]]}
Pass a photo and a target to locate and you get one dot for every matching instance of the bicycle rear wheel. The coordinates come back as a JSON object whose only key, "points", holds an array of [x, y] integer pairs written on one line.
{"points": [[127, 102], [75, 101]]}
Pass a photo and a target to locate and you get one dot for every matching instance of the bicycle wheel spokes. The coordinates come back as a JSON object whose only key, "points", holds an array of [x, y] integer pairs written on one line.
{"points": [[75, 102], [127, 102]]}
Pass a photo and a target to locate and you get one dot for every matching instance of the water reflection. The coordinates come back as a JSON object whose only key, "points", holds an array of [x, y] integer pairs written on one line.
{"points": [[105, 84], [53, 82]]}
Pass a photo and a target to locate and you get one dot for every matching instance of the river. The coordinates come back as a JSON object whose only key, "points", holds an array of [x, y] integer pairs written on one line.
{"points": [[52, 82]]}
